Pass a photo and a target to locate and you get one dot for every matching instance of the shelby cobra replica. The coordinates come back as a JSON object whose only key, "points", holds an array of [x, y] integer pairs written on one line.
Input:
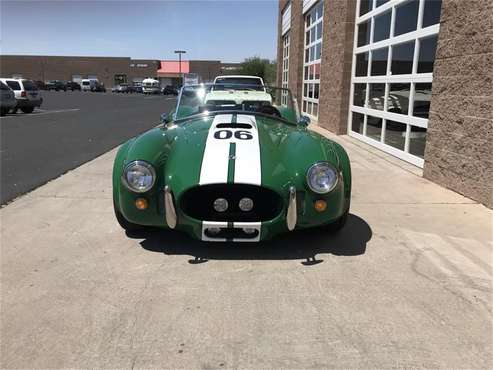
{"points": [[232, 163]]}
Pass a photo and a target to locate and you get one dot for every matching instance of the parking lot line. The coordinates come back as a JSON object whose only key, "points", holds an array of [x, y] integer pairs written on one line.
{"points": [[42, 112]]}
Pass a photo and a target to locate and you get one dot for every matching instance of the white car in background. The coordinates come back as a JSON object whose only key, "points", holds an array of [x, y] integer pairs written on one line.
{"points": [[27, 94], [251, 81], [151, 86]]}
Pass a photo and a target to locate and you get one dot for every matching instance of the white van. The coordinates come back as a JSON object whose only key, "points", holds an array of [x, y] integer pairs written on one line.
{"points": [[151, 86], [87, 85]]}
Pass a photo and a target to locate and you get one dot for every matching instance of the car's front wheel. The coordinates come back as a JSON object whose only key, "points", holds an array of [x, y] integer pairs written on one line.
{"points": [[27, 109], [124, 223]]}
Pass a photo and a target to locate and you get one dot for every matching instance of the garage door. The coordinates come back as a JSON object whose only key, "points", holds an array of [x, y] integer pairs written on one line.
{"points": [[392, 75]]}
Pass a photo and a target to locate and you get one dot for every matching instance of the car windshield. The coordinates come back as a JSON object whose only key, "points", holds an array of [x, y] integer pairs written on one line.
{"points": [[210, 98], [3, 86], [85, 83]]}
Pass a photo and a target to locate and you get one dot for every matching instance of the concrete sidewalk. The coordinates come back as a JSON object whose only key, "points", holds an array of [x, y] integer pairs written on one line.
{"points": [[408, 283]]}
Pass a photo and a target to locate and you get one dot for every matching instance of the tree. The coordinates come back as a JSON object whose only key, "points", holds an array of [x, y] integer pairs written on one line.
{"points": [[263, 68]]}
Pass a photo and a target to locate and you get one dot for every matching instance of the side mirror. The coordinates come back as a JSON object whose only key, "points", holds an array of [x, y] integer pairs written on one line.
{"points": [[304, 121]]}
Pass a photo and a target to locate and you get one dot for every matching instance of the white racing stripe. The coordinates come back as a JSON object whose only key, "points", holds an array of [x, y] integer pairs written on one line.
{"points": [[247, 164], [216, 158], [215, 161], [214, 168]]}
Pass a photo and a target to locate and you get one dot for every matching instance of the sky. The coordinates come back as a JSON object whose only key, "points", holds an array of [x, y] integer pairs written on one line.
{"points": [[229, 31]]}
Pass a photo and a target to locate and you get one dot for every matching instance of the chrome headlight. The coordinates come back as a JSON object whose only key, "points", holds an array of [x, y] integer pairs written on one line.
{"points": [[321, 177], [139, 176]]}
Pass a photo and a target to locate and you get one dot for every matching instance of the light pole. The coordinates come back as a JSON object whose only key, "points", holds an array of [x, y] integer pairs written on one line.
{"points": [[180, 52]]}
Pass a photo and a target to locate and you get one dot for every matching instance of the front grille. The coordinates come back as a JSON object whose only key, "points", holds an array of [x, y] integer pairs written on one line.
{"points": [[198, 203]]}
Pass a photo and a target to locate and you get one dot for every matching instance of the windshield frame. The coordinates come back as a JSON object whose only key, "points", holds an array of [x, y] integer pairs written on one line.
{"points": [[266, 88]]}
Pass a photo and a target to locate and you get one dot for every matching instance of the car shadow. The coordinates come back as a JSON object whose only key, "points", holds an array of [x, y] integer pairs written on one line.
{"points": [[298, 245]]}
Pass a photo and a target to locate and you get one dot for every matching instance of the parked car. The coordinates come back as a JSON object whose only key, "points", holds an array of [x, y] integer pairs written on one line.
{"points": [[98, 87], [27, 95], [92, 85], [170, 90], [71, 85], [150, 86], [237, 165], [7, 99], [253, 82], [137, 88], [40, 85], [122, 88], [56, 85], [87, 85]]}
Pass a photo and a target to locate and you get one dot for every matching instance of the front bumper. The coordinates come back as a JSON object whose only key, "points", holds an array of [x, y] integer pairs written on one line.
{"points": [[297, 212]]}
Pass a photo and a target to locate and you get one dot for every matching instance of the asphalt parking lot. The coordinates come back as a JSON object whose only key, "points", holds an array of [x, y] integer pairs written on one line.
{"points": [[71, 128], [406, 284]]}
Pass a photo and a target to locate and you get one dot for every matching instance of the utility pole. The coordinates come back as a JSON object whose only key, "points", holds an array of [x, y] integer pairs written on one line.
{"points": [[180, 52]]}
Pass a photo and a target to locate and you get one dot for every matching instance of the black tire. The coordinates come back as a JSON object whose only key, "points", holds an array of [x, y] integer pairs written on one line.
{"points": [[339, 224], [124, 223], [27, 110], [4, 111]]}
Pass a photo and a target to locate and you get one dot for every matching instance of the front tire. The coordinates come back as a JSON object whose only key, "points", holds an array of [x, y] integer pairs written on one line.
{"points": [[4, 111], [27, 110]]}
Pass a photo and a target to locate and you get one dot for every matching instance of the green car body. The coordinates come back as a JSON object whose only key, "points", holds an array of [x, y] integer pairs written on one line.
{"points": [[199, 157]]}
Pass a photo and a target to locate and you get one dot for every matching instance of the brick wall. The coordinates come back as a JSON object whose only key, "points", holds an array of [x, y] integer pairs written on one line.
{"points": [[45, 68], [335, 79], [459, 146]]}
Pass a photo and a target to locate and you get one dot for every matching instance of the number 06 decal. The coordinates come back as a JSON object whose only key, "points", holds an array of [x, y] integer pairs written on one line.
{"points": [[227, 134]]}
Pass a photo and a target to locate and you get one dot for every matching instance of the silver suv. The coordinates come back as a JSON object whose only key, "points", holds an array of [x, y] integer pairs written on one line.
{"points": [[26, 93]]}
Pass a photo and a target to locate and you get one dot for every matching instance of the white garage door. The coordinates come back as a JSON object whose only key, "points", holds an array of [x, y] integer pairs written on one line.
{"points": [[394, 52]]}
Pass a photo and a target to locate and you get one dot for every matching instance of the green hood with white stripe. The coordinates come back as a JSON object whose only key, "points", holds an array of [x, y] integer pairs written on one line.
{"points": [[239, 148]]}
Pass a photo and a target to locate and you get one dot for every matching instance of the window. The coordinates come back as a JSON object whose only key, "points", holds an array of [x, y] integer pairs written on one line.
{"points": [[312, 59], [364, 33], [402, 58], [29, 85], [365, 6], [392, 74], [376, 98], [432, 12], [285, 68], [406, 17], [382, 27], [14, 85], [379, 62], [120, 79], [358, 123], [362, 64], [427, 50], [398, 98], [359, 94]]}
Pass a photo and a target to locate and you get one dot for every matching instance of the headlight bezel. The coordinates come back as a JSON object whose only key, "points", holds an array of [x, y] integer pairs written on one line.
{"points": [[328, 165], [141, 163]]}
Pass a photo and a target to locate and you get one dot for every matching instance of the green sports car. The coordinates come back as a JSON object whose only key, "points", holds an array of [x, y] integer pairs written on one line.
{"points": [[232, 163]]}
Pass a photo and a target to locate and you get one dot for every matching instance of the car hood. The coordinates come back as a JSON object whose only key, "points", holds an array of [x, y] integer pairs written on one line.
{"points": [[240, 148]]}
